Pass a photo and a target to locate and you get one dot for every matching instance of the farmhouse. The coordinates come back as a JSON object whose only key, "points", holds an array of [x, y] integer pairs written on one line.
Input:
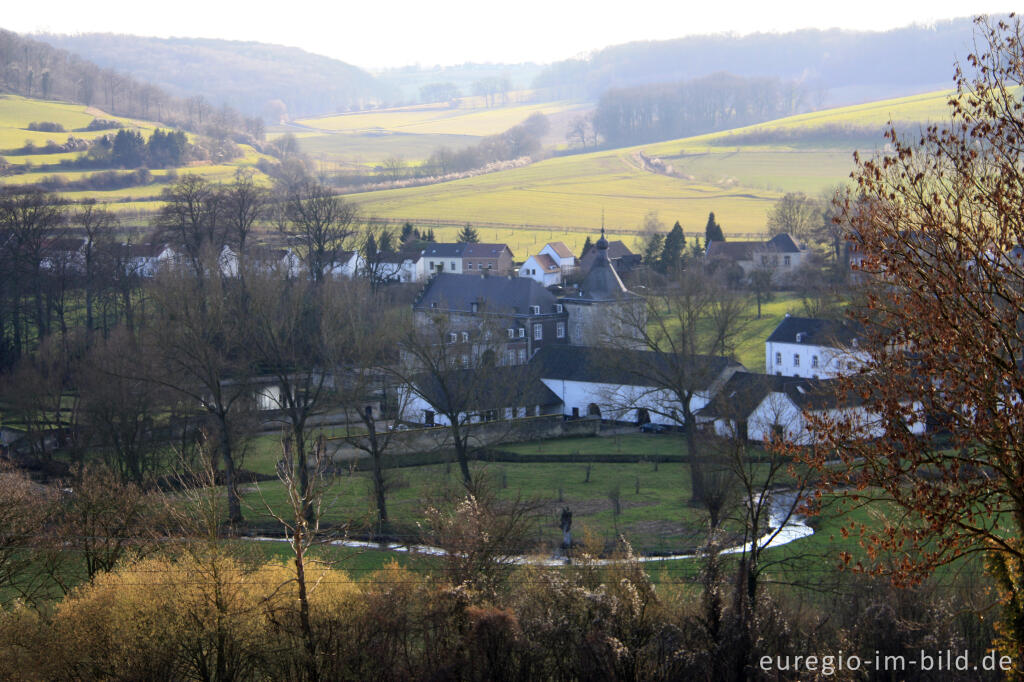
{"points": [[759, 407], [813, 348], [623, 385], [475, 396], [459, 258], [780, 255], [520, 312]]}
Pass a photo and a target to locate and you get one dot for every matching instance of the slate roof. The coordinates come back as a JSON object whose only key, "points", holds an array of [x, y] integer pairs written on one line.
{"points": [[620, 366], [816, 332], [602, 282], [745, 391], [484, 250], [445, 250], [506, 295], [780, 243], [489, 389]]}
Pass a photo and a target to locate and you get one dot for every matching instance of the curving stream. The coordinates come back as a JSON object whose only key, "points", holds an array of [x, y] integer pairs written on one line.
{"points": [[776, 536]]}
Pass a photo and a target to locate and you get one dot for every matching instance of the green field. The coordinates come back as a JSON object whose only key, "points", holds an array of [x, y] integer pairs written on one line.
{"points": [[17, 112], [739, 184], [437, 119]]}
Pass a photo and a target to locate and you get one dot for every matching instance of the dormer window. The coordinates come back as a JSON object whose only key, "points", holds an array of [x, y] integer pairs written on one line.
{"points": [[452, 337], [522, 332], [800, 337], [465, 337], [559, 308], [511, 333], [474, 306], [535, 310]]}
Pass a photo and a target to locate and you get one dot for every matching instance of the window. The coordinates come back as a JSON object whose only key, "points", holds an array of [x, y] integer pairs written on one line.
{"points": [[488, 266], [778, 358], [511, 333], [469, 266], [522, 356], [814, 361], [559, 308], [560, 330], [796, 359], [511, 357], [474, 306], [538, 332], [535, 310], [578, 333], [433, 304], [452, 337], [465, 361], [431, 265], [465, 337], [453, 266], [786, 261], [522, 332]]}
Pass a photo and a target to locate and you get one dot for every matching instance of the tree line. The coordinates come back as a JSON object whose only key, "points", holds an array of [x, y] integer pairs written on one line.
{"points": [[649, 113], [35, 69]]}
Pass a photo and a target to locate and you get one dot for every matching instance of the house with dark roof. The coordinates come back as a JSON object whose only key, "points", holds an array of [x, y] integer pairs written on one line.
{"points": [[521, 312], [780, 255], [460, 258], [760, 407], [628, 385], [476, 396], [617, 253], [814, 348], [492, 259]]}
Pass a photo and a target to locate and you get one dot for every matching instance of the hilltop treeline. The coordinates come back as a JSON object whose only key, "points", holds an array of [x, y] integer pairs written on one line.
{"points": [[259, 79], [34, 69], [872, 62], [720, 101]]}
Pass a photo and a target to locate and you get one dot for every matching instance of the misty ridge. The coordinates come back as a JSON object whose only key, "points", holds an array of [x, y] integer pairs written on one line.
{"points": [[830, 67]]}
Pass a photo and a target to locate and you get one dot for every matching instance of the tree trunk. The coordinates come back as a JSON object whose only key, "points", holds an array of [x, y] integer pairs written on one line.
{"points": [[234, 501], [378, 471], [696, 466]]}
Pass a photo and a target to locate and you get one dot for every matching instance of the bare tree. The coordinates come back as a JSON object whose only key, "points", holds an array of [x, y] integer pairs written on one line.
{"points": [[98, 224], [321, 224], [796, 214], [245, 203], [192, 219], [688, 331], [201, 351]]}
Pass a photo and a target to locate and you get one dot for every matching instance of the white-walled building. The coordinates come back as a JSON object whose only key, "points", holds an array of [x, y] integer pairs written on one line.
{"points": [[813, 348], [542, 268], [760, 406], [561, 255], [615, 384]]}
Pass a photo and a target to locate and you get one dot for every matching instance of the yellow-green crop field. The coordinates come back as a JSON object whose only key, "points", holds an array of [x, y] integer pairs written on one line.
{"points": [[437, 119], [739, 184], [17, 112]]}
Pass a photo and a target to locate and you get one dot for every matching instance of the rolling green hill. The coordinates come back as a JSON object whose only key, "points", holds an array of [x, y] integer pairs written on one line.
{"points": [[566, 197]]}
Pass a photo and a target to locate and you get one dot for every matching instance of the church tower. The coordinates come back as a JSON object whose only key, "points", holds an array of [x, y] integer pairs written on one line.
{"points": [[602, 311]]}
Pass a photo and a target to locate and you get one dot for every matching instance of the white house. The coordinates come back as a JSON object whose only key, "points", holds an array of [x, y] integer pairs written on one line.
{"points": [[561, 255], [498, 393], [614, 384], [761, 406], [814, 348], [542, 268]]}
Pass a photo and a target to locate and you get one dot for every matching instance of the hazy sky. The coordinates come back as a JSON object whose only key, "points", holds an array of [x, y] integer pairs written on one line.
{"points": [[382, 34]]}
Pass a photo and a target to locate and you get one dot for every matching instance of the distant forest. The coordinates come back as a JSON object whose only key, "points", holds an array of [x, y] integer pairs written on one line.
{"points": [[908, 58], [34, 69], [648, 113], [257, 78]]}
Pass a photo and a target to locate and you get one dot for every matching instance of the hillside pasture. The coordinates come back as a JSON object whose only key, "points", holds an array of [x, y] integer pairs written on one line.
{"points": [[437, 119]]}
